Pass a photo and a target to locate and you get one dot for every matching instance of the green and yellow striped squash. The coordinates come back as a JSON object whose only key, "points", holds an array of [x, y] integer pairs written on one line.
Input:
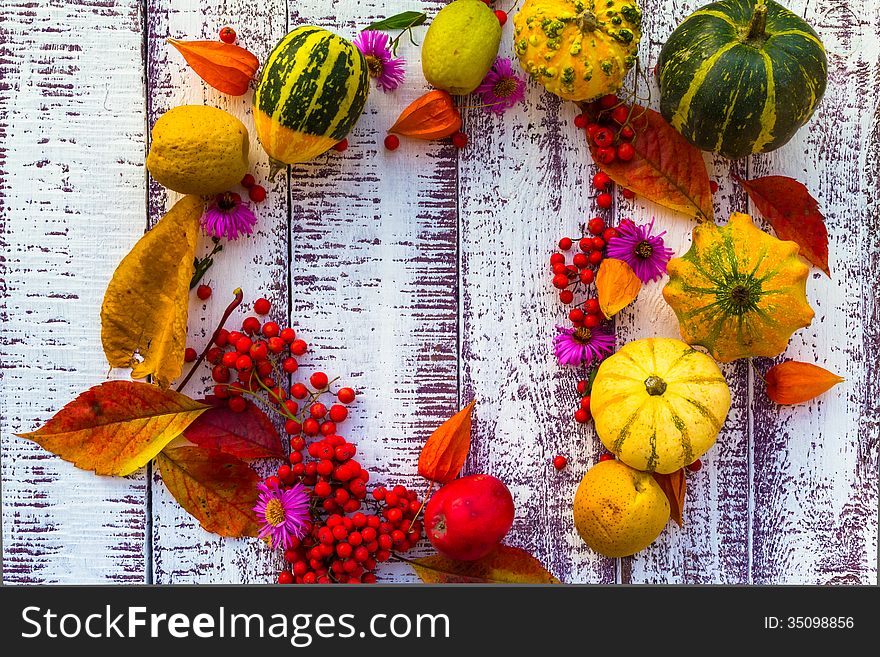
{"points": [[738, 291], [659, 404], [741, 76], [312, 90]]}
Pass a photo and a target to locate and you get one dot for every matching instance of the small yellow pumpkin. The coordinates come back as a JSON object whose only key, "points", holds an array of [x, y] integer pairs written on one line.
{"points": [[578, 49], [659, 404], [738, 291]]}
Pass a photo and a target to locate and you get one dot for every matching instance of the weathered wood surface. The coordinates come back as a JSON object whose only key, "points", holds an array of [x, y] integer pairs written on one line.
{"points": [[420, 276]]}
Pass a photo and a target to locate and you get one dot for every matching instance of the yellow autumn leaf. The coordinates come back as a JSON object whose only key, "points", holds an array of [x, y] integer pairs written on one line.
{"points": [[617, 286], [143, 317]]}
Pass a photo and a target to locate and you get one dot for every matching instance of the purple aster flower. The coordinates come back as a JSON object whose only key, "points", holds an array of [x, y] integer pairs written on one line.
{"points": [[575, 346], [644, 252], [387, 69], [228, 217], [284, 513], [501, 89]]}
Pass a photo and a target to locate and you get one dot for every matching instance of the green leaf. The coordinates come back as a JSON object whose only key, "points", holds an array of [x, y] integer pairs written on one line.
{"points": [[400, 21]]}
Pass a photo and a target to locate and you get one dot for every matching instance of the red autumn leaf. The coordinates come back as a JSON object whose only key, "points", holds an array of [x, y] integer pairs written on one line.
{"points": [[432, 116], [793, 382], [247, 435], [225, 66], [117, 427], [445, 452], [794, 214], [666, 169], [217, 489], [504, 565], [674, 485]]}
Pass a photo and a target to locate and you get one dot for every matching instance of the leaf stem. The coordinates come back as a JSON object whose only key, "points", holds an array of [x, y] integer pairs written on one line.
{"points": [[236, 302], [421, 508], [202, 265]]}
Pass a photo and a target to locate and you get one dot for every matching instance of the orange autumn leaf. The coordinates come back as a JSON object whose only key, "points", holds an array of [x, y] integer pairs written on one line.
{"points": [[674, 485], [793, 382], [444, 453], [432, 116], [225, 66], [504, 565], [617, 286]]}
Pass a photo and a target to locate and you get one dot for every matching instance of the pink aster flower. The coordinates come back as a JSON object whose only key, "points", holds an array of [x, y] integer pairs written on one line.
{"points": [[387, 69], [228, 217], [637, 247], [501, 89], [576, 346], [284, 513]]}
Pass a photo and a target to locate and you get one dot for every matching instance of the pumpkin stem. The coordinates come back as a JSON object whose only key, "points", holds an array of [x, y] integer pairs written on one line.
{"points": [[274, 167], [655, 385], [587, 22], [758, 23]]}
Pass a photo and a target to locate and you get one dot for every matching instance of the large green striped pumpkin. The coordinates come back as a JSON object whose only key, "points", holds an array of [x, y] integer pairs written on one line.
{"points": [[659, 404], [741, 76], [312, 90]]}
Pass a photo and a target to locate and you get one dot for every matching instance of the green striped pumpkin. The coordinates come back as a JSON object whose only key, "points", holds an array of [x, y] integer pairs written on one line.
{"points": [[741, 76], [311, 92], [658, 404]]}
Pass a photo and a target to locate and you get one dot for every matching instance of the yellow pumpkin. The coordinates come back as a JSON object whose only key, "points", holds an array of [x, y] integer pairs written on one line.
{"points": [[578, 49], [738, 291], [659, 404]]}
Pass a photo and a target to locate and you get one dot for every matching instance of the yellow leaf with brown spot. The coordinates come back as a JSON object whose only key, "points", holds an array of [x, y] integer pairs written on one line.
{"points": [[617, 286], [143, 317]]}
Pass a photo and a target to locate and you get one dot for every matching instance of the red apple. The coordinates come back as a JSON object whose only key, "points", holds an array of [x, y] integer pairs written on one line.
{"points": [[468, 517]]}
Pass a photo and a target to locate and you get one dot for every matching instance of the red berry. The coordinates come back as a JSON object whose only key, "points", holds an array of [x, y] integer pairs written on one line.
{"points": [[603, 138], [606, 456], [598, 244], [601, 181], [609, 233], [565, 243], [596, 225], [580, 121], [220, 373], [392, 142], [585, 403], [214, 355], [285, 576], [629, 194], [502, 16], [257, 193], [591, 306], [345, 395], [581, 416], [227, 35], [606, 155], [580, 260], [299, 391], [288, 335], [556, 259], [318, 380], [696, 466], [290, 366], [189, 355], [322, 489], [459, 140], [260, 352], [248, 181], [291, 427], [576, 315], [592, 129], [243, 363], [591, 321], [559, 462], [627, 132], [338, 413], [713, 186], [585, 244], [317, 410], [222, 338], [237, 404], [566, 296], [311, 427], [233, 337], [582, 386], [625, 152], [203, 292], [560, 281], [587, 275], [620, 114], [250, 325], [298, 347], [341, 146], [262, 307], [604, 200], [560, 268], [609, 101]]}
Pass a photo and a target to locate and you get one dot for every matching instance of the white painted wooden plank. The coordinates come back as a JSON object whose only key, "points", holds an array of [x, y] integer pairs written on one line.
{"points": [[72, 197], [815, 465], [182, 551]]}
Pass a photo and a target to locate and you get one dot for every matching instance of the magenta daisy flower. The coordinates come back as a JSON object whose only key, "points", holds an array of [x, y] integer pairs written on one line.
{"points": [[644, 252], [576, 346], [388, 70], [228, 217], [501, 89], [284, 513]]}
